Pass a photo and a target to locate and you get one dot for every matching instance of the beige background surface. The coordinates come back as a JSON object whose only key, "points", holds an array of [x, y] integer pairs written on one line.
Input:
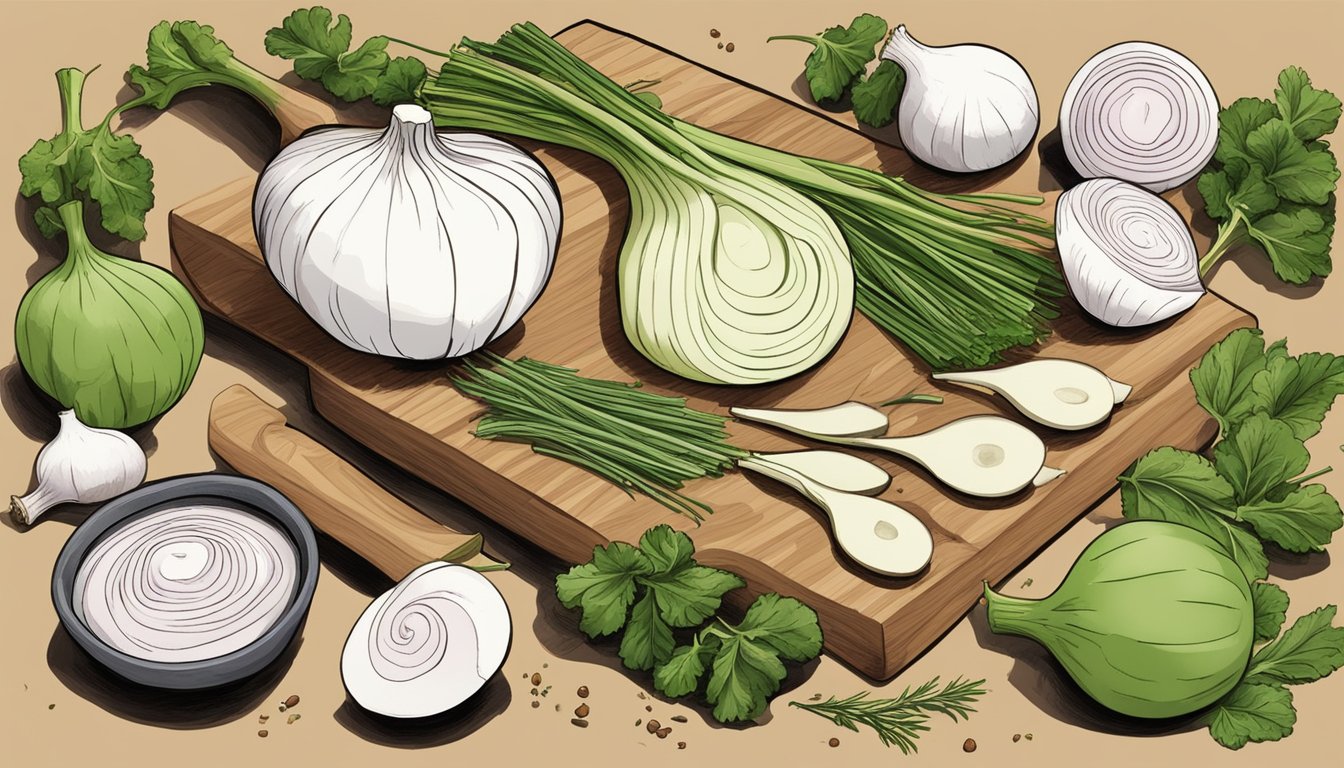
{"points": [[211, 137]]}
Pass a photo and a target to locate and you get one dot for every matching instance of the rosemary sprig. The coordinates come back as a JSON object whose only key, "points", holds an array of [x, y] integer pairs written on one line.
{"points": [[900, 720], [915, 397], [643, 442]]}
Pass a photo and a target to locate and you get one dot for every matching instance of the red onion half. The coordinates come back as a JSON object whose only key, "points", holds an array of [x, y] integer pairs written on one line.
{"points": [[1142, 113]]}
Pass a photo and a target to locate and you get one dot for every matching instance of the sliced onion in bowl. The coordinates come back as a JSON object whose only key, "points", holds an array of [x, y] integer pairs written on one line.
{"points": [[1140, 112], [1126, 253]]}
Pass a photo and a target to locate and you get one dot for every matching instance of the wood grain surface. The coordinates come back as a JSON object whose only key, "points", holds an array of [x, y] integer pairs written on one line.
{"points": [[410, 412]]}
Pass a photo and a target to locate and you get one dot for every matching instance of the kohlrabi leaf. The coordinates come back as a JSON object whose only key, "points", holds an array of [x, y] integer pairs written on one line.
{"points": [[1311, 112], [841, 54], [1302, 521], [1299, 391], [1259, 455], [1252, 713], [1222, 379], [320, 50], [1309, 650], [1271, 607]]}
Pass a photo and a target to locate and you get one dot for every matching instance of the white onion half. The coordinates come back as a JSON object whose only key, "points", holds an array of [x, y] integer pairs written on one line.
{"points": [[1127, 255], [1139, 112], [427, 644], [186, 584]]}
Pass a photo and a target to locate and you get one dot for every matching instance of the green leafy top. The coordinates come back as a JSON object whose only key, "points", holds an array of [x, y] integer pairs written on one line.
{"points": [[841, 54], [1274, 180], [88, 164], [876, 96], [320, 50]]}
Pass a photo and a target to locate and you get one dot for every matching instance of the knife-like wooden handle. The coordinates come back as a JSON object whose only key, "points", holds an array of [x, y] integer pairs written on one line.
{"points": [[339, 499]]}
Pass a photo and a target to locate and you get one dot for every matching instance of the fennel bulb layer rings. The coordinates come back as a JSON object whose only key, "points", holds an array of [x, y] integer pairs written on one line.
{"points": [[405, 242]]}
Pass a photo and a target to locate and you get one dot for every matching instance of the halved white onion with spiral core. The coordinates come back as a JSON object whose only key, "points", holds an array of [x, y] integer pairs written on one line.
{"points": [[427, 644], [1127, 256], [186, 584], [1139, 112]]}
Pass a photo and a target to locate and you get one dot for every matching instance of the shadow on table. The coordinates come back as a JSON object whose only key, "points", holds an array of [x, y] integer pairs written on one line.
{"points": [[419, 733], [180, 710]]}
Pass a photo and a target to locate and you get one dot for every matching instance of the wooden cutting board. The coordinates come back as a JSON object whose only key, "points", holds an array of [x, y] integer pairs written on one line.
{"points": [[410, 413]]}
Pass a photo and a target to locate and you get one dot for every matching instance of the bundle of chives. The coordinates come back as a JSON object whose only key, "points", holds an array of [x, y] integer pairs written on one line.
{"points": [[640, 441]]}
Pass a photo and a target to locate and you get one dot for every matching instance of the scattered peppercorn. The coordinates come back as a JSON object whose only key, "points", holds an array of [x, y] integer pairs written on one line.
{"points": [[653, 726], [292, 701], [583, 691], [51, 706], [1028, 737], [1017, 737], [834, 742], [662, 732], [536, 678], [815, 697], [263, 719], [534, 691], [545, 664], [263, 733], [730, 48], [292, 718], [681, 745], [648, 707], [713, 33], [578, 722], [581, 710], [641, 695], [720, 45], [282, 707], [536, 704], [679, 718], [557, 707], [968, 746], [639, 722]]}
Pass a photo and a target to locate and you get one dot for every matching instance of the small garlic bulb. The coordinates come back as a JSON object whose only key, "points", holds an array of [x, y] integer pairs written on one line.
{"points": [[406, 242], [965, 107], [82, 464]]}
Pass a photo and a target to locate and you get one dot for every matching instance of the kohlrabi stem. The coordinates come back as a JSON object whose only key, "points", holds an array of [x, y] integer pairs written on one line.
{"points": [[72, 217], [1229, 234], [1010, 615], [1311, 476]]}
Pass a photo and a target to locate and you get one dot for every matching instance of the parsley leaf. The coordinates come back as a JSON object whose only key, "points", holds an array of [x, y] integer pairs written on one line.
{"points": [[320, 51], [1297, 242], [1302, 521], [1271, 608], [688, 593], [876, 96], [840, 56], [1258, 456], [604, 588], [1222, 379], [108, 168], [1182, 487], [1299, 391], [1296, 173], [1236, 122], [1252, 713], [1311, 113], [647, 639], [680, 674], [786, 625], [400, 83], [745, 673], [1308, 651]]}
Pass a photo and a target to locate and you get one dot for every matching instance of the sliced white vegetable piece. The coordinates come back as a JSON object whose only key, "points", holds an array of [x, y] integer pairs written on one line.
{"points": [[1127, 255], [978, 455], [1139, 112], [841, 471], [877, 534], [428, 644], [1064, 394], [844, 420]]}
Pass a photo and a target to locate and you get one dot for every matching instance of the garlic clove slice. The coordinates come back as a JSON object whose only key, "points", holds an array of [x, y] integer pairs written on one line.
{"points": [[1064, 394], [833, 469], [849, 419], [987, 456]]}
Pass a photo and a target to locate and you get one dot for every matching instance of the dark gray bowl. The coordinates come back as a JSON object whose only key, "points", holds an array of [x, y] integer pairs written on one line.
{"points": [[239, 493]]}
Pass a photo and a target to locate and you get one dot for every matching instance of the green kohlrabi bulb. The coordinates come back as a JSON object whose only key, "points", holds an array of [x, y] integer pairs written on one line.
{"points": [[116, 340], [1154, 620]]}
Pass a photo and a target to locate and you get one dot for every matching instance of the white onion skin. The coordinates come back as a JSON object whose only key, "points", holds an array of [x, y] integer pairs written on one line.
{"points": [[186, 584], [428, 644], [1107, 122], [405, 242], [1127, 255]]}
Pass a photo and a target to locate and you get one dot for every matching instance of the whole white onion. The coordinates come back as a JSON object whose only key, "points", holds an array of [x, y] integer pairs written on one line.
{"points": [[406, 242], [1140, 112], [186, 584], [427, 644], [1127, 255]]}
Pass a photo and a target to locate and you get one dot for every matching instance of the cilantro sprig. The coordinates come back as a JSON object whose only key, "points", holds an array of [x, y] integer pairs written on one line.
{"points": [[1272, 180], [1249, 492], [320, 50], [838, 65], [654, 588], [90, 164]]}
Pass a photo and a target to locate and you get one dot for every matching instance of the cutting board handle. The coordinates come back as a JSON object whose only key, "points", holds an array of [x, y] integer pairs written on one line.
{"points": [[337, 498]]}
